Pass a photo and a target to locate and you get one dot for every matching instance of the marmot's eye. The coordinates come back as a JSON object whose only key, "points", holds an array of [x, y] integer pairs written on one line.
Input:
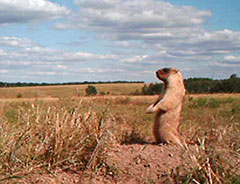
{"points": [[166, 70]]}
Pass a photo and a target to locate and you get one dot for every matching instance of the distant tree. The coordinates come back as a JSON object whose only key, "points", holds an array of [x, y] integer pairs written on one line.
{"points": [[152, 89], [91, 90], [233, 76], [19, 95]]}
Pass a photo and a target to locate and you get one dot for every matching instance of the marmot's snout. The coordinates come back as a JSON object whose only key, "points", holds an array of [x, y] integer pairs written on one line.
{"points": [[157, 74], [163, 73]]}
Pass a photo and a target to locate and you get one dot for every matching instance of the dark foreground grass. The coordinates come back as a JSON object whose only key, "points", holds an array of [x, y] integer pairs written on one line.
{"points": [[75, 135]]}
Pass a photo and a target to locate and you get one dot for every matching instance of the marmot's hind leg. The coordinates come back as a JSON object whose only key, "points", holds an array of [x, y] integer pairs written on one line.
{"points": [[165, 136]]}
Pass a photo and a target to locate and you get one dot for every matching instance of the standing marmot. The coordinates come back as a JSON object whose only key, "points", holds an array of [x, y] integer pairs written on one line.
{"points": [[168, 108]]}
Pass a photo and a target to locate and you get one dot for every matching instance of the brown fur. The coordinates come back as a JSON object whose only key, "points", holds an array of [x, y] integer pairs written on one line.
{"points": [[168, 109]]}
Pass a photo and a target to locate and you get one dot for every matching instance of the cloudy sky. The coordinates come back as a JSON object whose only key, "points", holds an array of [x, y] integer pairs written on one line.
{"points": [[108, 40]]}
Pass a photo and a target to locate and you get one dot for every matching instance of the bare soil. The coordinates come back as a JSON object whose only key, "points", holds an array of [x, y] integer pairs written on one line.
{"points": [[147, 163], [133, 164], [129, 164]]}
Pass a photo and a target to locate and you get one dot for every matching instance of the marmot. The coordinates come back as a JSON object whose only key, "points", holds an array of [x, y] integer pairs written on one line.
{"points": [[168, 108]]}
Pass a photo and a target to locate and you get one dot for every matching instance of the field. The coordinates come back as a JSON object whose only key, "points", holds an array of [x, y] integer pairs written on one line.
{"points": [[62, 91], [59, 135]]}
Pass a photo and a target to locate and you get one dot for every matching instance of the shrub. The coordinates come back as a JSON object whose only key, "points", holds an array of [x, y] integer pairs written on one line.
{"points": [[91, 90], [19, 95]]}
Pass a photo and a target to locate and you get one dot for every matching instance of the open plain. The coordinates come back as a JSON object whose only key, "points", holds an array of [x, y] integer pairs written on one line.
{"points": [[60, 135]]}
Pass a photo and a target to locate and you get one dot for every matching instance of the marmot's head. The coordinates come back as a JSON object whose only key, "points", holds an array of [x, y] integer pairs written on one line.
{"points": [[172, 78], [163, 74]]}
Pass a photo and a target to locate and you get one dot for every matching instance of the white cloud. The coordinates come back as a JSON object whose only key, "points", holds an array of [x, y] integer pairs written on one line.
{"points": [[16, 42], [26, 52], [135, 59], [28, 11], [42, 73], [36, 63], [122, 44], [134, 16], [99, 4], [2, 52], [156, 26], [91, 56], [232, 58], [224, 64], [4, 71], [62, 66]]}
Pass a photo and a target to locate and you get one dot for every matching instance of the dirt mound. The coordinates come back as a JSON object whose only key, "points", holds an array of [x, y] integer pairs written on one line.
{"points": [[145, 163], [131, 164], [134, 163]]}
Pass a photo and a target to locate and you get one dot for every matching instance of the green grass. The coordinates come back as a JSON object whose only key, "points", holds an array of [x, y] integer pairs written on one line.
{"points": [[76, 134]]}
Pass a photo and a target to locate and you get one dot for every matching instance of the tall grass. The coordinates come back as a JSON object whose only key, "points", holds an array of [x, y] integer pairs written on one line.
{"points": [[213, 125], [39, 136]]}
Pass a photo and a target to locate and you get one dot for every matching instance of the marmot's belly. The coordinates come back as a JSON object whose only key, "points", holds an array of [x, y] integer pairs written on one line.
{"points": [[165, 127]]}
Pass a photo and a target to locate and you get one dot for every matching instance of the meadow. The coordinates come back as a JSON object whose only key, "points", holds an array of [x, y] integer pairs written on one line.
{"points": [[62, 136], [63, 91]]}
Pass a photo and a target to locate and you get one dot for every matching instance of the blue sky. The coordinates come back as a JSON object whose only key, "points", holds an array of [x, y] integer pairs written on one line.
{"points": [[108, 40]]}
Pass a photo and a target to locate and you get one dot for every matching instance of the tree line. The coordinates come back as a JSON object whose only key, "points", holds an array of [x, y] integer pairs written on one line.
{"points": [[206, 85], [26, 84], [200, 85], [193, 85]]}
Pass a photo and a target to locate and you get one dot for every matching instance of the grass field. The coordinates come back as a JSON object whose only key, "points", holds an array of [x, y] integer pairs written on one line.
{"points": [[76, 135], [68, 91]]}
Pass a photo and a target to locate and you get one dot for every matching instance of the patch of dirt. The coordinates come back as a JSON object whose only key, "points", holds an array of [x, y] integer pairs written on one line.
{"points": [[145, 163], [133, 164]]}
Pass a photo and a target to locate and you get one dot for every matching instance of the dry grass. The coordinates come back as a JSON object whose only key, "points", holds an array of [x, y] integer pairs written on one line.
{"points": [[76, 135], [214, 123], [68, 90]]}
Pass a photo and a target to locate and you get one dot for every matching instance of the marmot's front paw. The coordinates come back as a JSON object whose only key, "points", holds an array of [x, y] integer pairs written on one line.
{"points": [[150, 109]]}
